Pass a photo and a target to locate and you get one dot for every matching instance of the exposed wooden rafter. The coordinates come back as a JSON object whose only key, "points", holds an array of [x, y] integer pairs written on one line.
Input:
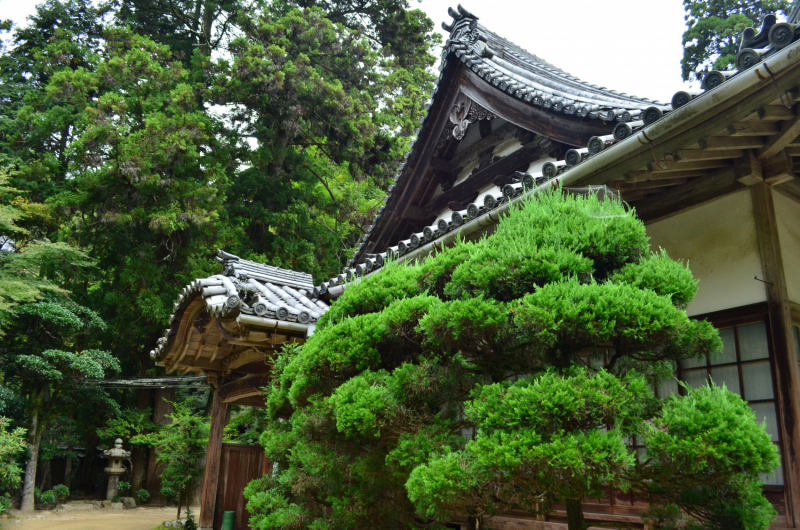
{"points": [[483, 177], [724, 143], [693, 193], [789, 132], [778, 168]]}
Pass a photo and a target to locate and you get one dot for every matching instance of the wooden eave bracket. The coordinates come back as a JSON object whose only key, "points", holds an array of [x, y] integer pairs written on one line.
{"points": [[748, 169], [778, 169], [789, 131]]}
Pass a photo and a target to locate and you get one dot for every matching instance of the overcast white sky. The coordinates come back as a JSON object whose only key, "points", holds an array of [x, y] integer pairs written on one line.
{"points": [[633, 46]]}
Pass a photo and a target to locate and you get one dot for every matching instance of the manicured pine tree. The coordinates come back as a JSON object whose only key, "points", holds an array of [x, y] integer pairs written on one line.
{"points": [[566, 296]]}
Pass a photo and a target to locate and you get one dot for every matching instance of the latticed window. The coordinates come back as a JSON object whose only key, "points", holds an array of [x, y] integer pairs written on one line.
{"points": [[744, 367]]}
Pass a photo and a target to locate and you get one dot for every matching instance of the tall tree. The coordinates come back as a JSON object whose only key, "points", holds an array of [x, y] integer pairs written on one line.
{"points": [[34, 132], [185, 26], [47, 360], [565, 282], [328, 102], [31, 266], [713, 29], [146, 185]]}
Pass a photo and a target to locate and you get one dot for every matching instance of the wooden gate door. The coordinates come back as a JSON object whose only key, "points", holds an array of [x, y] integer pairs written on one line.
{"points": [[238, 466]]}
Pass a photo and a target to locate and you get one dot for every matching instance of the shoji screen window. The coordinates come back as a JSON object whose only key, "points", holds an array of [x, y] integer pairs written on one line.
{"points": [[744, 367]]}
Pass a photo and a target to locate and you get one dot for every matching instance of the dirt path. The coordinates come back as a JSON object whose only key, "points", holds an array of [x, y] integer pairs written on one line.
{"points": [[95, 519]]}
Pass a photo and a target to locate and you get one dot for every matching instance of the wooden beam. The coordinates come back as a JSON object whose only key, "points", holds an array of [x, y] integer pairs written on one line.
{"points": [[214, 352], [247, 386], [172, 365], [691, 123], [638, 176], [684, 165], [200, 347], [201, 366], [780, 329], [415, 213], [636, 195], [558, 126], [775, 113], [482, 178], [689, 195], [688, 155], [778, 169], [208, 502], [647, 184], [460, 159], [243, 357], [749, 170], [790, 189], [724, 143], [759, 128], [439, 164], [790, 130]]}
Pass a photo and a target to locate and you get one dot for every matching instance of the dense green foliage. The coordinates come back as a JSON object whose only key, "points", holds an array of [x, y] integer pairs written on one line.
{"points": [[714, 29], [502, 374], [544, 439], [180, 446], [37, 266], [136, 137], [12, 445], [48, 356]]}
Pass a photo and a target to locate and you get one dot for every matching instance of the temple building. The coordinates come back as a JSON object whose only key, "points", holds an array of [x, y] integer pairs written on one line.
{"points": [[712, 175]]}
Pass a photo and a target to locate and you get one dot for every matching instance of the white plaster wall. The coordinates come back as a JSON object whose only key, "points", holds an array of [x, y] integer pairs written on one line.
{"points": [[787, 213], [719, 241]]}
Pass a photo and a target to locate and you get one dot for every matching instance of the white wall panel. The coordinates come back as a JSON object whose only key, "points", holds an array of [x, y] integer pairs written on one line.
{"points": [[719, 241]]}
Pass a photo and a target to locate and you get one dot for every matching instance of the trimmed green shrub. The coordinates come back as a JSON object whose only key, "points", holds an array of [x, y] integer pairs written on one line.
{"points": [[502, 374]]}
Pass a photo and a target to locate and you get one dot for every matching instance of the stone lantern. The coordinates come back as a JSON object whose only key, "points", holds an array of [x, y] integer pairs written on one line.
{"points": [[116, 456]]}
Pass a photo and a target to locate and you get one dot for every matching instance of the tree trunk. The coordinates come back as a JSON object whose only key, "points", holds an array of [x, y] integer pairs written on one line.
{"points": [[475, 523], [161, 407], [208, 24], [29, 483], [68, 470], [575, 520], [144, 400], [44, 475], [85, 481]]}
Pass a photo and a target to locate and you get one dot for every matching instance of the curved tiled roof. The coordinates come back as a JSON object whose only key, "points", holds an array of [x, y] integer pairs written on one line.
{"points": [[249, 288], [515, 71], [531, 79]]}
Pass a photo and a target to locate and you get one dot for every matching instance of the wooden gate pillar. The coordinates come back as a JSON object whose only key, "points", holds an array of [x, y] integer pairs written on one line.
{"points": [[780, 320], [219, 413]]}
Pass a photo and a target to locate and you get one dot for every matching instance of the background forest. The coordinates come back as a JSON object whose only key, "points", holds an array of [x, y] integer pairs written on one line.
{"points": [[137, 136]]}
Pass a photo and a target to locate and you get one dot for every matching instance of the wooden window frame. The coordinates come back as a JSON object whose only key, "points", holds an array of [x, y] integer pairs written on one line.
{"points": [[742, 316]]}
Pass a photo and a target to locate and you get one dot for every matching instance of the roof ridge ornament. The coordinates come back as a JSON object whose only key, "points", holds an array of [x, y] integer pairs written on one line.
{"points": [[466, 14], [458, 15], [751, 39]]}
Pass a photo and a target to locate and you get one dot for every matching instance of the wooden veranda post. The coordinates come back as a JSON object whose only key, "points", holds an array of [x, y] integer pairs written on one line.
{"points": [[211, 481], [788, 378]]}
